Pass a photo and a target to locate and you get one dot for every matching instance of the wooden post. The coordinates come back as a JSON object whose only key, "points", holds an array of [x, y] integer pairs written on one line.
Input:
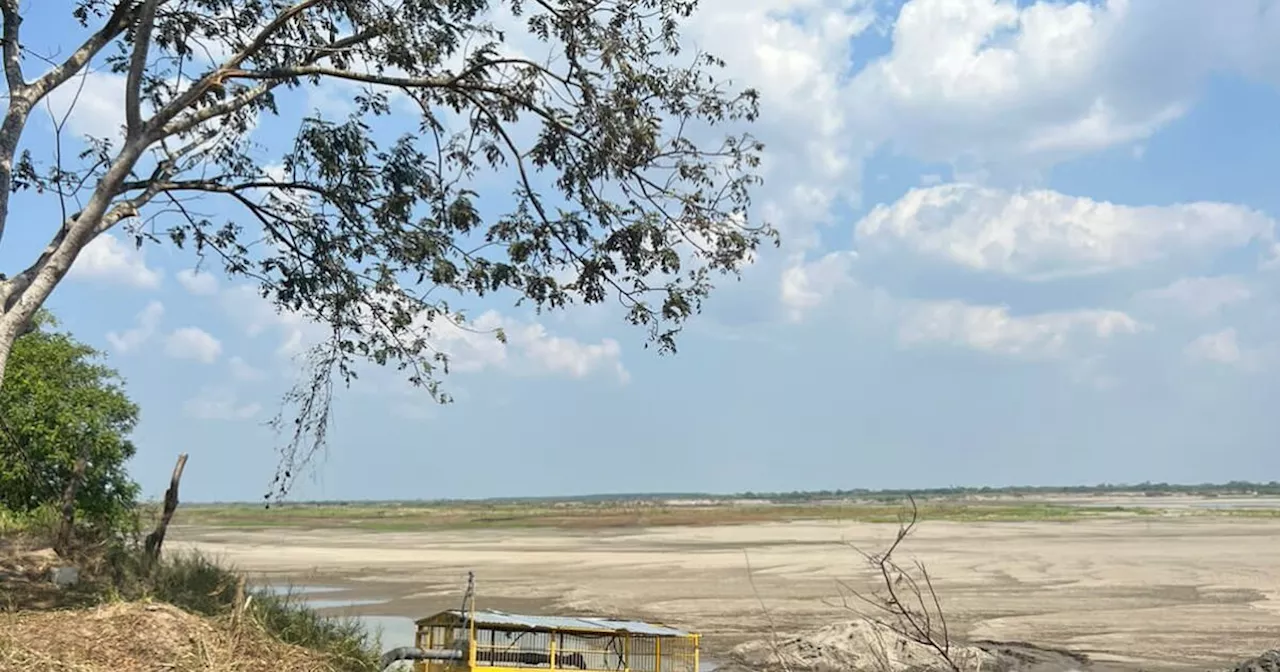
{"points": [[155, 540], [239, 603]]}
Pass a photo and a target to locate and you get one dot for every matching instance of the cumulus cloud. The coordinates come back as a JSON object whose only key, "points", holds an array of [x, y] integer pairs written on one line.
{"points": [[1223, 348], [996, 80], [244, 371], [796, 53], [529, 348], [193, 343], [806, 286], [1200, 296], [106, 259], [1220, 346], [92, 104], [1041, 234], [144, 328], [219, 403], [200, 283], [993, 329], [471, 346]]}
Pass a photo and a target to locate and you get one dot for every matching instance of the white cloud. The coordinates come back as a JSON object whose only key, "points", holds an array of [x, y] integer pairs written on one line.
{"points": [[219, 403], [1221, 347], [1201, 296], [256, 315], [243, 371], [146, 323], [95, 102], [106, 259], [200, 283], [193, 343], [796, 53], [529, 348], [994, 330], [1039, 234], [472, 347], [990, 80], [806, 286], [566, 356]]}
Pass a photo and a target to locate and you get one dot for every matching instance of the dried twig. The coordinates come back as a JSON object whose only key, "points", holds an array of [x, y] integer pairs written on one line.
{"points": [[773, 627], [906, 603]]}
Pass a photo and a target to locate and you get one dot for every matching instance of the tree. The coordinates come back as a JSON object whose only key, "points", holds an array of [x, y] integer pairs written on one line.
{"points": [[64, 427], [618, 184]]}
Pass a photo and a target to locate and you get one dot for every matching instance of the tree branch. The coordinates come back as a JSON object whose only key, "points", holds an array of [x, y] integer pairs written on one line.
{"points": [[138, 63], [172, 126], [265, 34], [79, 58], [12, 48], [367, 78]]}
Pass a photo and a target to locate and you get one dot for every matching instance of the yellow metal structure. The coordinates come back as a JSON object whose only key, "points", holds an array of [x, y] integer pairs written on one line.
{"points": [[495, 641]]}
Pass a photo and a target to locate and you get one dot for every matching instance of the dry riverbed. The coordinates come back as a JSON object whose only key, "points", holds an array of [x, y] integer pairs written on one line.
{"points": [[1151, 592]]}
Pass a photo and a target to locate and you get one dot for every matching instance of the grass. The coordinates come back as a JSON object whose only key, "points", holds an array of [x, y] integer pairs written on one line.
{"points": [[110, 573], [606, 514], [194, 583], [596, 516]]}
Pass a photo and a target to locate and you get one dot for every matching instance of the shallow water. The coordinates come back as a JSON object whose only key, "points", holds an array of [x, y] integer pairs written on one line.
{"points": [[297, 591], [340, 603], [393, 630]]}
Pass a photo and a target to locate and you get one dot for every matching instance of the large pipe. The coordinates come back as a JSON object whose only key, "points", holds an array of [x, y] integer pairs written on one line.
{"points": [[414, 653]]}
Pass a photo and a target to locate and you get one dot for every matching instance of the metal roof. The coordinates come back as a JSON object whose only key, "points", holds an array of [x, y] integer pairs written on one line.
{"points": [[566, 623]]}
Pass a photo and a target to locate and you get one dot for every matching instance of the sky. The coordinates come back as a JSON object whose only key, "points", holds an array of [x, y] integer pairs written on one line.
{"points": [[1023, 243]]}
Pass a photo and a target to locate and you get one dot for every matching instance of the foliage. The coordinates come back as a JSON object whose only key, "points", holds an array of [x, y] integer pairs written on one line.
{"points": [[607, 153], [194, 583], [57, 403]]}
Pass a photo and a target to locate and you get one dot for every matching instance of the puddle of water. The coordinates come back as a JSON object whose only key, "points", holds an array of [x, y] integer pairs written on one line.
{"points": [[298, 591], [335, 604], [393, 630]]}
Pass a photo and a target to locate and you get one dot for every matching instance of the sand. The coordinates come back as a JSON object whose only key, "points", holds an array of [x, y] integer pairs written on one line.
{"points": [[1163, 592]]}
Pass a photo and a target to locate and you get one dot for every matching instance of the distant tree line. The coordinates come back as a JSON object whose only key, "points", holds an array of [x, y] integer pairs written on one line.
{"points": [[1146, 488]]}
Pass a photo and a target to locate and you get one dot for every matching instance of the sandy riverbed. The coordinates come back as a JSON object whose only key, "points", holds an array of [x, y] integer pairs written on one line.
{"points": [[1152, 592]]}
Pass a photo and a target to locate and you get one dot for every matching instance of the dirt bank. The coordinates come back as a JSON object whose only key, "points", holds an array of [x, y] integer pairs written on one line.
{"points": [[129, 637]]}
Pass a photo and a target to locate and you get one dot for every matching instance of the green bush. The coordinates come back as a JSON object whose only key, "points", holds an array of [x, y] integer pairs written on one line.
{"points": [[39, 523]]}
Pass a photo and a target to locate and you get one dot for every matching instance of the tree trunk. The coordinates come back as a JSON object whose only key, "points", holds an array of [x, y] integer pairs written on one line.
{"points": [[8, 334], [151, 551], [63, 543]]}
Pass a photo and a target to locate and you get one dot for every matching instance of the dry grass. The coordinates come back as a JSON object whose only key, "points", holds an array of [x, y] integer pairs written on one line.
{"points": [[115, 619], [614, 515], [143, 636], [24, 567]]}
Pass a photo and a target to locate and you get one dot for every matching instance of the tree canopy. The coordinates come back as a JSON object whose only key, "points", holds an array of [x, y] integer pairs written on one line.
{"points": [[623, 168], [59, 404]]}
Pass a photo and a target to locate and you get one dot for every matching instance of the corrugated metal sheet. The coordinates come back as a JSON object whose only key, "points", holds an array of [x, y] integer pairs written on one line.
{"points": [[568, 623]]}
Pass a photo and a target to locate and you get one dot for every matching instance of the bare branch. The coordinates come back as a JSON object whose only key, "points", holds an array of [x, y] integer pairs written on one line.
{"points": [[773, 627], [138, 62], [903, 605]]}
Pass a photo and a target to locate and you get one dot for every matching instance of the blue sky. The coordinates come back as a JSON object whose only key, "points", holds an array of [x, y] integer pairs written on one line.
{"points": [[1024, 243]]}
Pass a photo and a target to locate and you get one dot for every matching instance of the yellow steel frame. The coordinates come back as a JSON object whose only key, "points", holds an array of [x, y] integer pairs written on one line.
{"points": [[425, 628]]}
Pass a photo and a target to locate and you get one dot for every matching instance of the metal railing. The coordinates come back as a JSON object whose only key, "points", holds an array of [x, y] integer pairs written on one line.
{"points": [[576, 652]]}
